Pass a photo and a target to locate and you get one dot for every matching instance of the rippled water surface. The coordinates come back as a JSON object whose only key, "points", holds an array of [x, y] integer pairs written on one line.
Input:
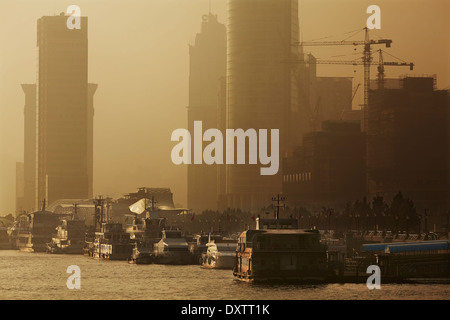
{"points": [[35, 276]]}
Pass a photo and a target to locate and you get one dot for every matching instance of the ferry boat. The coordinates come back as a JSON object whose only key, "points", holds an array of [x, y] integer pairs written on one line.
{"points": [[220, 255], [172, 249], [112, 243], [278, 251]]}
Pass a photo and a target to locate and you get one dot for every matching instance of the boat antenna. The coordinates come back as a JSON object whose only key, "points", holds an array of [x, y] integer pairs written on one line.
{"points": [[278, 199], [75, 211]]}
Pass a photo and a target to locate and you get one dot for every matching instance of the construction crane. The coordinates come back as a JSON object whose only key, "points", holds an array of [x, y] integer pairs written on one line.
{"points": [[382, 63], [367, 56]]}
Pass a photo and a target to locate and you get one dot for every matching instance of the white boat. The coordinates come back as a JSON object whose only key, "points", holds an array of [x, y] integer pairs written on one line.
{"points": [[171, 249], [220, 255]]}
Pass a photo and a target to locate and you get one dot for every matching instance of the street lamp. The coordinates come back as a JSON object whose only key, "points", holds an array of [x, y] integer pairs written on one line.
{"points": [[396, 224], [407, 225], [420, 218]]}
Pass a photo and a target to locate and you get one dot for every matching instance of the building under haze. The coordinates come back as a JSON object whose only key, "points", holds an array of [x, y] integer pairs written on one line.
{"points": [[328, 170], [334, 97], [262, 91], [64, 114], [207, 67], [408, 143]]}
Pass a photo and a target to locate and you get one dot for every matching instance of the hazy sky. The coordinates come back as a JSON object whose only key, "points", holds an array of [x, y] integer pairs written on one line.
{"points": [[138, 55]]}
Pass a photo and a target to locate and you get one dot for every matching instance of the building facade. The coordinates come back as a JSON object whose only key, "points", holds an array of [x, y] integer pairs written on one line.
{"points": [[328, 170], [408, 143], [64, 117], [207, 68], [262, 91]]}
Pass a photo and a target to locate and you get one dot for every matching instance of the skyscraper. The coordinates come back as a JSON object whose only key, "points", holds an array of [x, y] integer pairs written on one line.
{"points": [[207, 67], [64, 119], [262, 89]]}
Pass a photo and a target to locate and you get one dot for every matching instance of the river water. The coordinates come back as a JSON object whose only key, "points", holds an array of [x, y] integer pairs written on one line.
{"points": [[41, 276]]}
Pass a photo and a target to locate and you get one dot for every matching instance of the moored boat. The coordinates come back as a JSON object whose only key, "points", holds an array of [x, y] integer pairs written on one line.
{"points": [[69, 239], [112, 243], [220, 255], [281, 255], [278, 251], [35, 230], [172, 249]]}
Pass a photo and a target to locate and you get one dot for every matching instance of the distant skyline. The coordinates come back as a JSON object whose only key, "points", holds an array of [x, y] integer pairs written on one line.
{"points": [[139, 57]]}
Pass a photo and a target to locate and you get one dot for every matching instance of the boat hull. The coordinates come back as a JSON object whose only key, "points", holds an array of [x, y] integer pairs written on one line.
{"points": [[173, 258], [219, 262]]}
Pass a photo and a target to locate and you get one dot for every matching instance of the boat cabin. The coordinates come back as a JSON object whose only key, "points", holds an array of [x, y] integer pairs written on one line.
{"points": [[282, 254]]}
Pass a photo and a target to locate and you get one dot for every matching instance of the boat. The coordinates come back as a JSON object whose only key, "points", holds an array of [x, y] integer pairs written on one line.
{"points": [[35, 230], [70, 237], [220, 255], [199, 245], [112, 242], [172, 249], [5, 231], [145, 233], [278, 251]]}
